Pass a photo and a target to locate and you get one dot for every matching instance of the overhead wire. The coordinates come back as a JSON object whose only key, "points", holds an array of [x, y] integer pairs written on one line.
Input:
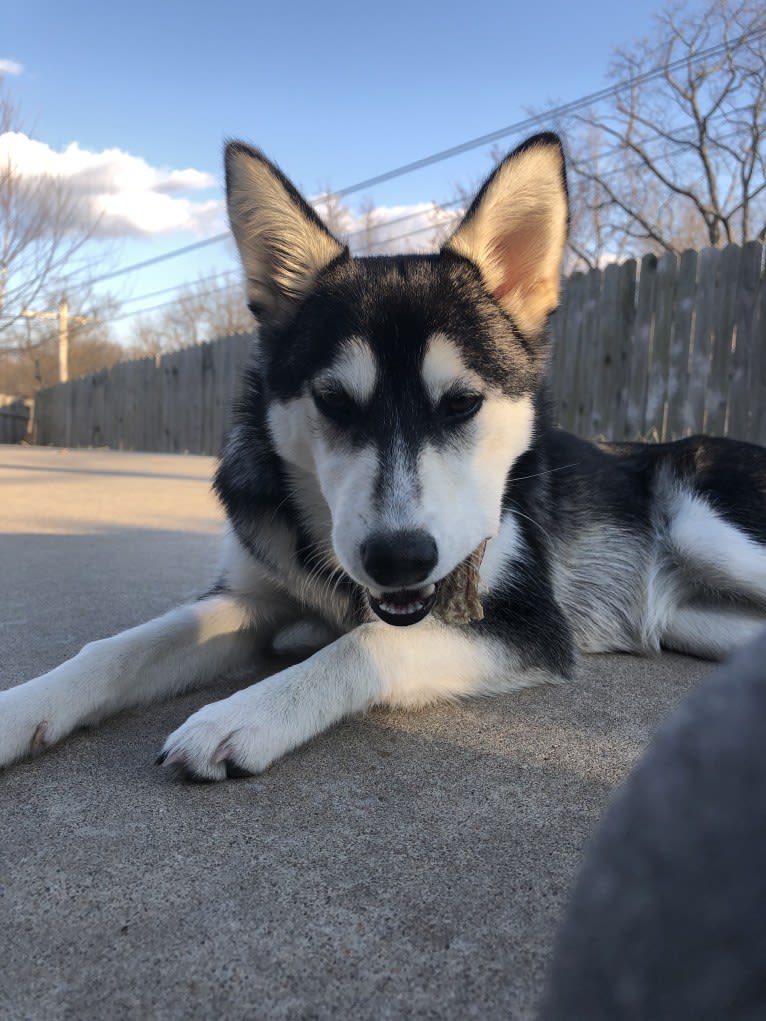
{"points": [[526, 124], [563, 110], [381, 242]]}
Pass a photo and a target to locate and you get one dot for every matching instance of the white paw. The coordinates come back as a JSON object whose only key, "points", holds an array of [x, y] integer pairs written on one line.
{"points": [[29, 723], [232, 738]]}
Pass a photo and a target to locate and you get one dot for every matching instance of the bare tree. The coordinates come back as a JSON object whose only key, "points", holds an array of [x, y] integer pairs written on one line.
{"points": [[678, 159], [367, 236], [41, 230], [209, 308]]}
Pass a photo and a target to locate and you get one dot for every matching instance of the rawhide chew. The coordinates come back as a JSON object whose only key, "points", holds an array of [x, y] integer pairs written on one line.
{"points": [[458, 600]]}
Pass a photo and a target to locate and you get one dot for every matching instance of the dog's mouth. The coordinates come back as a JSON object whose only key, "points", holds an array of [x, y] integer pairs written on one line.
{"points": [[404, 606]]}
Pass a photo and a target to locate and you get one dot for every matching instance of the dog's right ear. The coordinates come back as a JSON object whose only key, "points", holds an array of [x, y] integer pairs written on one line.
{"points": [[282, 242], [516, 229]]}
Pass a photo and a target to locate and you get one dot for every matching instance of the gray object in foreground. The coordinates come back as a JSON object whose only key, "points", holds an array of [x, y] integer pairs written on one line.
{"points": [[668, 915]]}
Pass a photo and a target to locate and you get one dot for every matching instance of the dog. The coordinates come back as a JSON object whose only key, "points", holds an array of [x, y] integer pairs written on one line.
{"points": [[395, 416]]}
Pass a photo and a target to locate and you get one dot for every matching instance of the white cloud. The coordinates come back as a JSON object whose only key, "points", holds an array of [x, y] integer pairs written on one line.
{"points": [[10, 67], [126, 197], [121, 193]]}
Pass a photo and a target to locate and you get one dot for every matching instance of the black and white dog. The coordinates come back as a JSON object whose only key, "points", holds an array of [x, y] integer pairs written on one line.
{"points": [[393, 417]]}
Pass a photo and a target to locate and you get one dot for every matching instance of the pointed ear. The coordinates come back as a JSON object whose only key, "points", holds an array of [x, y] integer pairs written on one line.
{"points": [[516, 228], [282, 242]]}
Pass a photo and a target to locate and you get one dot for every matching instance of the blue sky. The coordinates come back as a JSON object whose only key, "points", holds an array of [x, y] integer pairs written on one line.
{"points": [[334, 92]]}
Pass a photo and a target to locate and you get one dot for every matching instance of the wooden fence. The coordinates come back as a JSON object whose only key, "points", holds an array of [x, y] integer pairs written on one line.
{"points": [[665, 348], [653, 350], [174, 403], [15, 413]]}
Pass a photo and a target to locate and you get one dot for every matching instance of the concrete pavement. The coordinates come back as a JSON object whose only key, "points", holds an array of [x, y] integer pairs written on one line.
{"points": [[404, 865]]}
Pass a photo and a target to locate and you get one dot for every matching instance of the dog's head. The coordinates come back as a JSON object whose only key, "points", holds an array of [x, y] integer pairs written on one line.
{"points": [[405, 386]]}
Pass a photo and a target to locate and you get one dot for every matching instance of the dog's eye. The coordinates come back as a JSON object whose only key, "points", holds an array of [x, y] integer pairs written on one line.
{"points": [[333, 402], [459, 405]]}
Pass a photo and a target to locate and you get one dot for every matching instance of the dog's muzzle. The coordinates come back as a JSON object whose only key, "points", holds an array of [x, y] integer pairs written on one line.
{"points": [[404, 606], [399, 563]]}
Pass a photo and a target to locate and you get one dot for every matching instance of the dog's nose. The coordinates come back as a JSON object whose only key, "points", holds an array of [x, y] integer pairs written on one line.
{"points": [[399, 559]]}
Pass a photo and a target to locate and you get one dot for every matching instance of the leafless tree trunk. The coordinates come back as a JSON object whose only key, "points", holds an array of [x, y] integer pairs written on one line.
{"points": [[677, 159], [41, 233], [367, 234], [212, 307]]}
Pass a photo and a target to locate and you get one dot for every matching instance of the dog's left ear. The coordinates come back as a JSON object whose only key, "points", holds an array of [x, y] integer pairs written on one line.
{"points": [[516, 229], [282, 242]]}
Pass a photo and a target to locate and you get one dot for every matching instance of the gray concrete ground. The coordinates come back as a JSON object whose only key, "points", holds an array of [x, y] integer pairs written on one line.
{"points": [[404, 865]]}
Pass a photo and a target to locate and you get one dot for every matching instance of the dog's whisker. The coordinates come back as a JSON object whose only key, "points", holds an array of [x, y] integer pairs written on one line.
{"points": [[547, 471], [515, 510]]}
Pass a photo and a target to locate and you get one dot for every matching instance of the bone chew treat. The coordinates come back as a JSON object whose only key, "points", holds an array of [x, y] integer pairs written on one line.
{"points": [[458, 601]]}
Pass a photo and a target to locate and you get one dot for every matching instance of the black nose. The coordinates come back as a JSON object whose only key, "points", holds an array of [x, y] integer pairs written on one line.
{"points": [[399, 559]]}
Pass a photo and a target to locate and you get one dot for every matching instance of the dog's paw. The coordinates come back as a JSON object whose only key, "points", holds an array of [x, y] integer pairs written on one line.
{"points": [[222, 740], [27, 725]]}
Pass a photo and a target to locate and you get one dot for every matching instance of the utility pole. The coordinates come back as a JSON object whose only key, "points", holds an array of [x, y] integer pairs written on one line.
{"points": [[64, 319]]}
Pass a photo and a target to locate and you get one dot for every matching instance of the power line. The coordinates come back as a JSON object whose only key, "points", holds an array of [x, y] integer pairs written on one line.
{"points": [[167, 304], [356, 233], [520, 126], [536, 119], [158, 258], [380, 242], [172, 289], [387, 240]]}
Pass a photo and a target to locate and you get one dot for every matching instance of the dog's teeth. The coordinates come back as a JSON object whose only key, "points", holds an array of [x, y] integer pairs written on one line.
{"points": [[403, 608], [413, 606], [409, 608]]}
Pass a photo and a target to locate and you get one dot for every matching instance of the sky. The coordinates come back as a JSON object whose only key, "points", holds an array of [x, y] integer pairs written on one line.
{"points": [[133, 102]]}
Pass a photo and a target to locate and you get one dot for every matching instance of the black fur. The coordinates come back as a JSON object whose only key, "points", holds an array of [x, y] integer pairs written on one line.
{"points": [[587, 547]]}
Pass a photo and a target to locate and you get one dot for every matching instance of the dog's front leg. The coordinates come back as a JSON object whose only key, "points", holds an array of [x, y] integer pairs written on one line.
{"points": [[186, 648], [374, 664]]}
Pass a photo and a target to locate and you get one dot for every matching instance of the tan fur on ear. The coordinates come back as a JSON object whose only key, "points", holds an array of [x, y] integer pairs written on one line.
{"points": [[282, 242], [516, 230]]}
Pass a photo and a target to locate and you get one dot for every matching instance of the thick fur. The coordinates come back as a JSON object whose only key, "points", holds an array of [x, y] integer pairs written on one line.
{"points": [[393, 417]]}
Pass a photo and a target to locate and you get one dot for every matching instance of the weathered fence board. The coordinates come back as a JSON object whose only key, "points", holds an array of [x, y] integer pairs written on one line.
{"points": [[681, 341], [678, 346], [15, 414], [758, 397], [652, 350], [746, 352], [173, 403]]}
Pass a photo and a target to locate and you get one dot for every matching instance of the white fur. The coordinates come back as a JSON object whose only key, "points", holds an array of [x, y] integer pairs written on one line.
{"points": [[455, 497], [354, 369], [443, 367], [647, 587], [516, 236], [189, 646], [721, 553], [456, 493], [712, 632], [282, 250], [462, 485], [176, 652], [291, 426], [374, 664], [503, 551], [716, 555]]}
